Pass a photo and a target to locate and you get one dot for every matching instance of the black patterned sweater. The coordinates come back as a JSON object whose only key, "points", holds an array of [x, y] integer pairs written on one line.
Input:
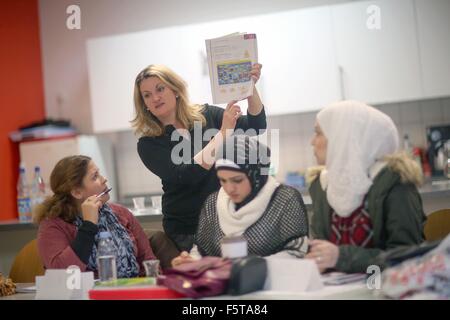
{"points": [[282, 227]]}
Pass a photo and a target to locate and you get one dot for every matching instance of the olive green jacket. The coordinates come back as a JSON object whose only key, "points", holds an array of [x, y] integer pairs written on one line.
{"points": [[395, 209]]}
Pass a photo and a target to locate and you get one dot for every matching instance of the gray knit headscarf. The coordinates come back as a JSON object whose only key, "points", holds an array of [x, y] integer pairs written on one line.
{"points": [[245, 154]]}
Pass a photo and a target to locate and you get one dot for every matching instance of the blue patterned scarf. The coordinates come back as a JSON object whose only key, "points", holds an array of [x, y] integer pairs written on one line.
{"points": [[127, 265]]}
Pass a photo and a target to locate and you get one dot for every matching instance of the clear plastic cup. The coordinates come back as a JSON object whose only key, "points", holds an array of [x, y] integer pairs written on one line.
{"points": [[151, 268], [139, 203], [156, 202]]}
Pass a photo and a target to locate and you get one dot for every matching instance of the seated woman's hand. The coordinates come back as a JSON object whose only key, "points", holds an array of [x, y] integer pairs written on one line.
{"points": [[90, 208], [184, 257], [324, 253]]}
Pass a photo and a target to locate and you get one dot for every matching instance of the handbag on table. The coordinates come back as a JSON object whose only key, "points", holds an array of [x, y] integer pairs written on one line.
{"points": [[213, 276]]}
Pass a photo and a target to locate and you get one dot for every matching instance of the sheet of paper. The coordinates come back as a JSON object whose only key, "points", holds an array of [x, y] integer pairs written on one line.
{"points": [[339, 278], [292, 275]]}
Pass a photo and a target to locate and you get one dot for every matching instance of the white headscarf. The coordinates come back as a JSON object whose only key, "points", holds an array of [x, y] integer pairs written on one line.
{"points": [[234, 222], [358, 137]]}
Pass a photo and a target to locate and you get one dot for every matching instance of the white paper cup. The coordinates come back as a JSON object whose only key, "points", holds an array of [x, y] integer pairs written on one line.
{"points": [[234, 247]]}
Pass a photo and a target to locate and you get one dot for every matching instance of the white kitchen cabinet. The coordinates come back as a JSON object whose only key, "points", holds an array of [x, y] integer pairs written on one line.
{"points": [[377, 65], [433, 29], [311, 57], [299, 67], [46, 153], [295, 48]]}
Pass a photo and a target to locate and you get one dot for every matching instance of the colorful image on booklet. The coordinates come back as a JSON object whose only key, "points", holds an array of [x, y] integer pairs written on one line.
{"points": [[234, 72]]}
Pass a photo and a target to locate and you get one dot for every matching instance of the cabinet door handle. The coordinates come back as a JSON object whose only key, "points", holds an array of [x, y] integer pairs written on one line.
{"points": [[341, 82]]}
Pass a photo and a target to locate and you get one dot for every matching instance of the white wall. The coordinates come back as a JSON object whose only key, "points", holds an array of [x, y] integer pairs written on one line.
{"points": [[64, 53]]}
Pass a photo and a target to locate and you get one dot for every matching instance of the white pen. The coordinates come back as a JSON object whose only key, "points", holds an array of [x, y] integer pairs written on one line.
{"points": [[104, 192]]}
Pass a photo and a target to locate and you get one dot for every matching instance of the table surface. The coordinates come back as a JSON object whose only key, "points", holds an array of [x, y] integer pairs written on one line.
{"points": [[352, 291]]}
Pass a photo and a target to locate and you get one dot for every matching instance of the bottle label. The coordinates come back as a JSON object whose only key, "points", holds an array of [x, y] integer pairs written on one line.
{"points": [[35, 200], [24, 208]]}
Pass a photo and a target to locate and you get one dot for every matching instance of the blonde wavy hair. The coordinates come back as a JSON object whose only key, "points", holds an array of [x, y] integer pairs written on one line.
{"points": [[145, 123], [67, 174]]}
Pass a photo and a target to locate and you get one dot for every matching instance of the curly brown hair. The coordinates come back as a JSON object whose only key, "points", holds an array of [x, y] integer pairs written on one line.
{"points": [[67, 174]]}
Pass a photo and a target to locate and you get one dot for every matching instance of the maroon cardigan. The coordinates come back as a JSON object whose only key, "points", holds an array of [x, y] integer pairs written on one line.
{"points": [[55, 237]]}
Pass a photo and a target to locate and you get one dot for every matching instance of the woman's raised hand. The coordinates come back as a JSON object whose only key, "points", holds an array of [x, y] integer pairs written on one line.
{"points": [[256, 72], [230, 115]]}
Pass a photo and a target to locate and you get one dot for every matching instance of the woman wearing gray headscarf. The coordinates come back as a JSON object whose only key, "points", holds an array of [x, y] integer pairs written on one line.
{"points": [[365, 198], [250, 203]]}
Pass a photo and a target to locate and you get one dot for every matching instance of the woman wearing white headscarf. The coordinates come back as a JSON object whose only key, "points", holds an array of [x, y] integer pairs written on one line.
{"points": [[365, 197]]}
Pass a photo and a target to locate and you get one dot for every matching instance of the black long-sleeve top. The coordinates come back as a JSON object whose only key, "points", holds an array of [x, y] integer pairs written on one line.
{"points": [[187, 185], [82, 245]]}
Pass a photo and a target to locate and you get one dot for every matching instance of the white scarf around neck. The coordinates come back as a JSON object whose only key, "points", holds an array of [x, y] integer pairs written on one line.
{"points": [[374, 170], [234, 223], [358, 137]]}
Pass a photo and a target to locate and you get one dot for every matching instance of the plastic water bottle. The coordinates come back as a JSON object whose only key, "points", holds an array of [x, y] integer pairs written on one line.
{"points": [[37, 188], [23, 197], [106, 258]]}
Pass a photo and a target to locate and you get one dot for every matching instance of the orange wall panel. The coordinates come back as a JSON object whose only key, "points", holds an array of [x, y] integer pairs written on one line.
{"points": [[21, 89]]}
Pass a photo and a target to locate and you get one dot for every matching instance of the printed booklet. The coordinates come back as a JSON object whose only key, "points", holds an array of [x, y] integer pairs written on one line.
{"points": [[230, 60]]}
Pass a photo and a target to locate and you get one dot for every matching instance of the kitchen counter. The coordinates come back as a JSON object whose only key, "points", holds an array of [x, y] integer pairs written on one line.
{"points": [[431, 189], [147, 216], [436, 188]]}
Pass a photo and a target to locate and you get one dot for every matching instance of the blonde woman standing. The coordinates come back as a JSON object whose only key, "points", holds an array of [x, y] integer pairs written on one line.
{"points": [[165, 120]]}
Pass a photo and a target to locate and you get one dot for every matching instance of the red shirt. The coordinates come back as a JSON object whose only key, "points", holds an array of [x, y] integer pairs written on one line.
{"points": [[55, 237], [355, 229]]}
